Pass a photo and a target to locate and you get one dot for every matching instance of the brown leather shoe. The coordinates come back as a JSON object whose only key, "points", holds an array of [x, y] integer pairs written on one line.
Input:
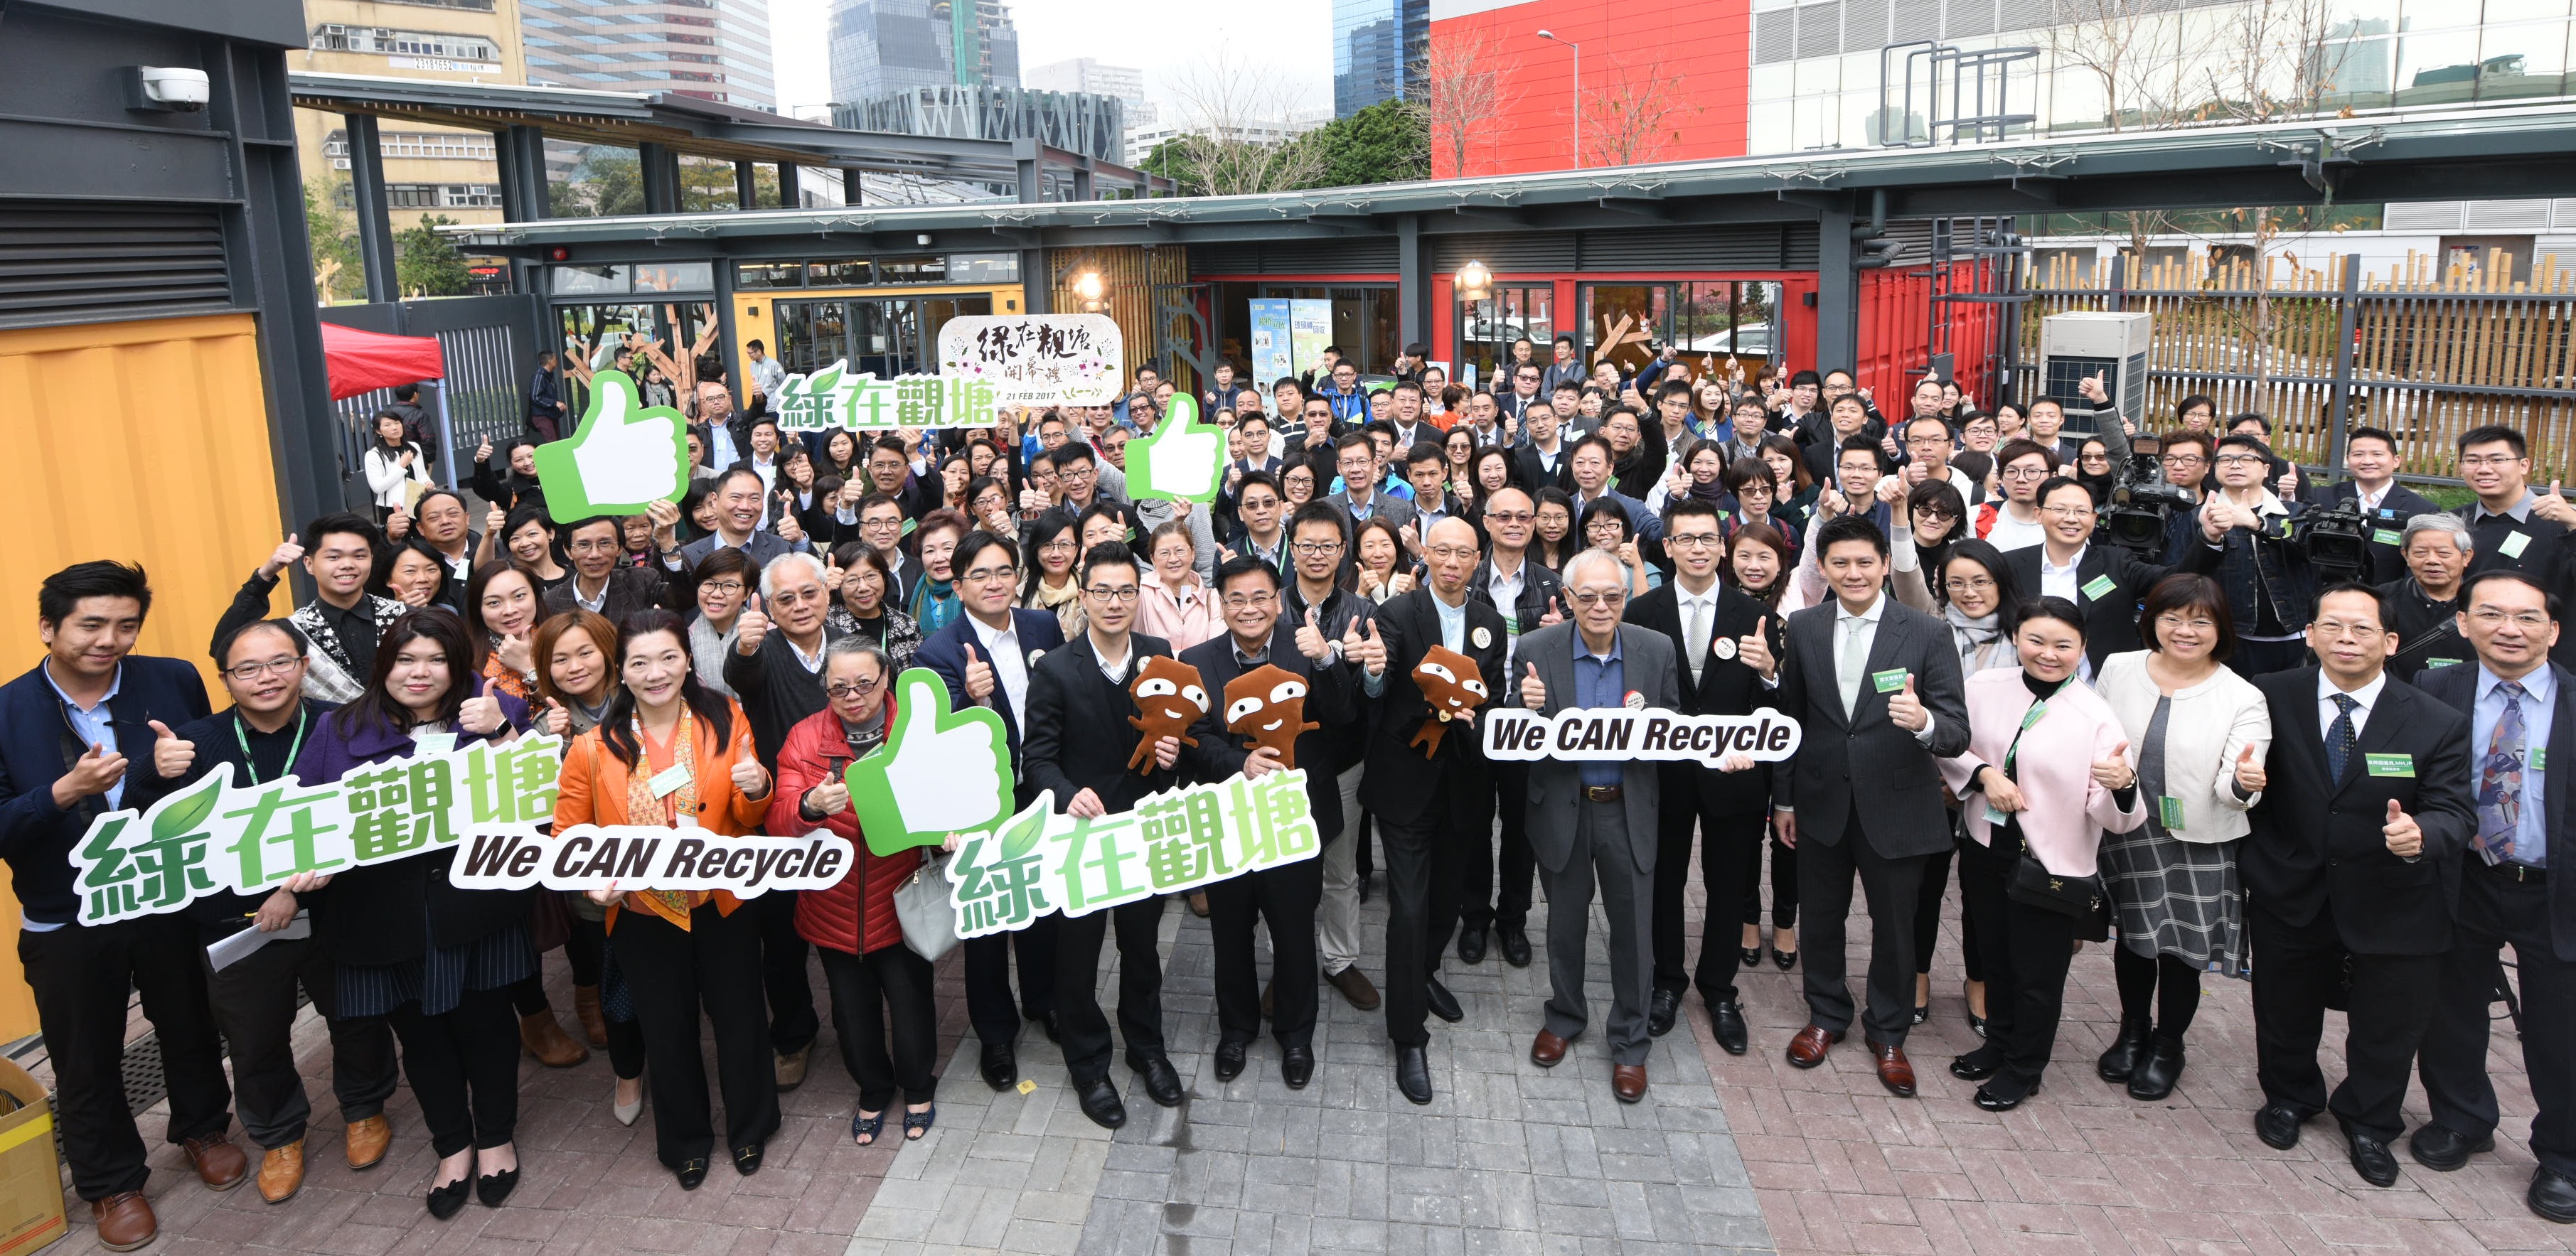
{"points": [[367, 1140], [281, 1172], [547, 1041], [220, 1165], [791, 1067], [1628, 1081], [1807, 1050], [1894, 1071], [124, 1221], [585, 1008], [1355, 986], [1547, 1050]]}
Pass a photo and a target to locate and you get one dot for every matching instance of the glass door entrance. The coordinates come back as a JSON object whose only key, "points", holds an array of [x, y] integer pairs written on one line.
{"points": [[883, 336]]}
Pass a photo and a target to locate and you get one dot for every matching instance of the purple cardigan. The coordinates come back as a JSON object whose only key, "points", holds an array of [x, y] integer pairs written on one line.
{"points": [[341, 743]]}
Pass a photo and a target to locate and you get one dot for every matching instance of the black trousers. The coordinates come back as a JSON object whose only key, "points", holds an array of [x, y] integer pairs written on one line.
{"points": [[464, 1068], [2391, 1003], [253, 1003], [682, 980], [80, 974], [1286, 898], [990, 1007], [585, 949], [1927, 912], [1784, 884], [2027, 951], [1892, 886], [1723, 839], [1081, 1027], [792, 1020], [1480, 904], [885, 989], [2494, 911], [1422, 894]]}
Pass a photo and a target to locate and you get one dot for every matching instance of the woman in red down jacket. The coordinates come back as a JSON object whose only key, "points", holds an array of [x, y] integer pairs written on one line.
{"points": [[879, 985]]}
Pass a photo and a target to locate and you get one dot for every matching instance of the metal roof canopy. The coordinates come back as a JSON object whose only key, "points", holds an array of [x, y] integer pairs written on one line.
{"points": [[687, 125]]}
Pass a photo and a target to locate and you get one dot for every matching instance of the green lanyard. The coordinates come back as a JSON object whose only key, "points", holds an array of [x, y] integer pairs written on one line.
{"points": [[250, 767], [2030, 717]]}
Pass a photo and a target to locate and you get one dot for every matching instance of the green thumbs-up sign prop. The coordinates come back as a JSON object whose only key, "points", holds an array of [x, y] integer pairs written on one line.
{"points": [[624, 457], [1184, 460], [939, 772]]}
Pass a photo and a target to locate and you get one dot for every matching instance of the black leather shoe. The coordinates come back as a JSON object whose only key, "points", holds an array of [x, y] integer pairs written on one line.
{"points": [[1296, 1066], [1515, 940], [1662, 1009], [1001, 1066], [2443, 1149], [492, 1188], [1989, 1100], [1099, 1099], [2373, 1160], [449, 1200], [2157, 1071], [1162, 1085], [2125, 1052], [746, 1160], [1229, 1061], [1413, 1073], [1442, 1003], [1471, 945], [1726, 1020], [1753, 957], [692, 1173], [1785, 959], [2278, 1125], [1976, 1066], [2552, 1197], [1046, 1021]]}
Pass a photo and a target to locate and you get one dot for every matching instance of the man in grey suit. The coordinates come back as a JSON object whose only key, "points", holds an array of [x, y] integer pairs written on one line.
{"points": [[1876, 687], [1596, 818], [1361, 499], [741, 496]]}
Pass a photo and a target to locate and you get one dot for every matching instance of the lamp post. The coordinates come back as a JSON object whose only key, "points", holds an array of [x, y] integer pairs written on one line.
{"points": [[1550, 36]]}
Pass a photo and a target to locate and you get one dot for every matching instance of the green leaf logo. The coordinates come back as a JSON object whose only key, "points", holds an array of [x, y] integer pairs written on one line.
{"points": [[180, 816], [1025, 830]]}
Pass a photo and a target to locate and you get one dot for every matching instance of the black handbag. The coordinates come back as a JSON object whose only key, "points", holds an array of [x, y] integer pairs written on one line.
{"points": [[2033, 885]]}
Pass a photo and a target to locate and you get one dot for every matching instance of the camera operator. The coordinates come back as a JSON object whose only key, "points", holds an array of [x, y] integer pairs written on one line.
{"points": [[2370, 454], [2247, 543], [2423, 605]]}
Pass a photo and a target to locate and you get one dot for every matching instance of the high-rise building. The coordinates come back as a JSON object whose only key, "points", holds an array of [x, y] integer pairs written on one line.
{"points": [[712, 49], [428, 170], [1078, 122], [1379, 52], [1084, 74], [885, 46]]}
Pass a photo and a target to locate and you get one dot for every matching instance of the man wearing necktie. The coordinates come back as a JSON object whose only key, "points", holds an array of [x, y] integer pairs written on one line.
{"points": [[2517, 702], [2354, 852]]}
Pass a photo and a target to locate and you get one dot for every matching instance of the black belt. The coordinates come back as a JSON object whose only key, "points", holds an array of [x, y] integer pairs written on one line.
{"points": [[2522, 874], [1602, 793]]}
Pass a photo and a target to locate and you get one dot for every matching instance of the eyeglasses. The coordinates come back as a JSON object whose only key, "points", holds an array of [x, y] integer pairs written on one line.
{"points": [[2171, 619], [2238, 460], [2068, 512], [1057, 546], [598, 545], [852, 689], [798, 597], [2183, 460], [1107, 594], [2103, 458], [1969, 584], [1693, 540], [1942, 513], [278, 666], [1509, 516], [726, 588], [2025, 473], [1595, 597], [2489, 617], [2490, 460], [1317, 549], [982, 574], [2358, 630], [1242, 601]]}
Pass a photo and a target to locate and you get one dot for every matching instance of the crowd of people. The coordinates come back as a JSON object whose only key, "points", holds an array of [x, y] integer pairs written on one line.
{"points": [[2213, 737]]}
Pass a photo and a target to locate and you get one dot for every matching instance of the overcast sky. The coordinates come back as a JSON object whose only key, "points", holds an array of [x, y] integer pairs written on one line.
{"points": [[1160, 37]]}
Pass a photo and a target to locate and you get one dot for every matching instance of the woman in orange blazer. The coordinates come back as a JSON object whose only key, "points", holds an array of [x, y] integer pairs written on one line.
{"points": [[670, 752]]}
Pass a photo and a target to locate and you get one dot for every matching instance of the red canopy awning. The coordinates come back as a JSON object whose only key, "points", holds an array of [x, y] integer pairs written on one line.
{"points": [[364, 361]]}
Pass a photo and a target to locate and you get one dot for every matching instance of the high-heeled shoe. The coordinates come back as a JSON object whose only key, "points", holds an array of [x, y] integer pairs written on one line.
{"points": [[624, 1112], [1753, 956], [1785, 959], [492, 1188], [1976, 1023]]}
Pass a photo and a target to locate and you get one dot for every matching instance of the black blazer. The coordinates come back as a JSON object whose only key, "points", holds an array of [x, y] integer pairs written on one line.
{"points": [[1863, 764], [38, 747], [2457, 687], [1329, 693], [775, 690], [1078, 736], [630, 589], [1531, 475], [1726, 686], [2316, 840], [2111, 620], [944, 652], [1399, 784]]}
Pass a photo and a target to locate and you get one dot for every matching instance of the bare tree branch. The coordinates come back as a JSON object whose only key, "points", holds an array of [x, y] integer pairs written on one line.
{"points": [[1630, 118], [1236, 111], [1467, 90]]}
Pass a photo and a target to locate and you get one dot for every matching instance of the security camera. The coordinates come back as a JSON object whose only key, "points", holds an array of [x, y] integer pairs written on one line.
{"points": [[166, 89]]}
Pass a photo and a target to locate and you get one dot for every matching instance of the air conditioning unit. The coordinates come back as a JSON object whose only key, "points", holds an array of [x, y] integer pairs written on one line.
{"points": [[2076, 346]]}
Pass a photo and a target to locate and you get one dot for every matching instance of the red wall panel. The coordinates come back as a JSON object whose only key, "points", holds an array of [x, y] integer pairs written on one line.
{"points": [[1896, 319], [1701, 49]]}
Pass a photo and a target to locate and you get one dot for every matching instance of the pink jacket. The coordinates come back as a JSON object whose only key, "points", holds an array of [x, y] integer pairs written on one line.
{"points": [[1184, 617], [2065, 810]]}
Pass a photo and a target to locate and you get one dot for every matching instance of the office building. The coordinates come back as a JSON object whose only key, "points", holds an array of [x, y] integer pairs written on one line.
{"points": [[1074, 121], [712, 49], [881, 47], [1379, 49], [428, 170]]}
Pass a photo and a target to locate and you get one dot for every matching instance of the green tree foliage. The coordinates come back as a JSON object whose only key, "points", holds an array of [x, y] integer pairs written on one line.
{"points": [[332, 240], [609, 183], [427, 264], [1388, 142]]}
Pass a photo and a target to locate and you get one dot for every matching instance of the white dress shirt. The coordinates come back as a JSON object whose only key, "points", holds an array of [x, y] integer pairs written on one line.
{"points": [[1001, 647], [1704, 607], [2367, 696], [1862, 628]]}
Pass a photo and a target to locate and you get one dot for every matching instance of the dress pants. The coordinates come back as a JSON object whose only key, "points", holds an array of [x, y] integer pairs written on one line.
{"points": [[2495, 910], [1927, 910], [1337, 918], [1891, 886], [80, 974], [464, 1069], [254, 1007], [1081, 1026], [2392, 1002], [792, 1020], [1422, 893], [1284, 896], [1784, 884], [2027, 951], [1604, 853], [1722, 841], [990, 1006], [1478, 898], [888, 987], [681, 981]]}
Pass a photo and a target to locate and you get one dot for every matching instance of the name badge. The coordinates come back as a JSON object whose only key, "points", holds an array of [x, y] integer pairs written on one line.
{"points": [[2430, 664], [2169, 812], [2386, 536], [669, 780], [2540, 758], [1996, 819], [2097, 586], [1889, 681], [2514, 545], [434, 743], [2389, 764]]}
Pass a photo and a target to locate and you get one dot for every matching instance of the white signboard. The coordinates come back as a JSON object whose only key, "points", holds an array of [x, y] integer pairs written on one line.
{"points": [[1036, 359]]}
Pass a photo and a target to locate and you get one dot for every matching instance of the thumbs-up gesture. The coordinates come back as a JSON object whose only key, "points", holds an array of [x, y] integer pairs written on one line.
{"points": [[1905, 708], [557, 721], [1533, 690], [979, 678], [2405, 838], [2250, 779], [286, 555], [1368, 649], [1180, 461], [2114, 772], [493, 519], [1753, 649], [830, 798], [665, 516], [937, 773], [749, 778], [2287, 486], [170, 755], [483, 452], [481, 714], [518, 653], [789, 530], [833, 575], [1555, 612], [750, 629], [1310, 636], [2555, 508], [2091, 387], [624, 455]]}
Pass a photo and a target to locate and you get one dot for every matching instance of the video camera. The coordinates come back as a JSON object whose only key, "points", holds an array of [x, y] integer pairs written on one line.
{"points": [[2142, 503], [2337, 541]]}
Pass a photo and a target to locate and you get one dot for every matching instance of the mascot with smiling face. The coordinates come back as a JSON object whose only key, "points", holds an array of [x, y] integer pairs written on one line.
{"points": [[1267, 705], [1451, 683], [1171, 696]]}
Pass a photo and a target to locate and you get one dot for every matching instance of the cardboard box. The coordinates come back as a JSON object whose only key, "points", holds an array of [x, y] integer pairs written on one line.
{"points": [[31, 1175]]}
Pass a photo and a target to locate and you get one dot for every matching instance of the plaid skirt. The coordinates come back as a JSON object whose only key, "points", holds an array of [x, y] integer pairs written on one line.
{"points": [[2178, 898]]}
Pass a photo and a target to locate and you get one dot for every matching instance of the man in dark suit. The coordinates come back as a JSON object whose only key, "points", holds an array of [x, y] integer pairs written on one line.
{"points": [[2350, 870], [1595, 820], [1728, 645], [2518, 704], [741, 500], [2106, 582], [69, 729], [1078, 744], [1543, 457], [2371, 455], [986, 656], [1530, 597], [1248, 592], [601, 580], [1362, 496], [1426, 807], [1876, 686]]}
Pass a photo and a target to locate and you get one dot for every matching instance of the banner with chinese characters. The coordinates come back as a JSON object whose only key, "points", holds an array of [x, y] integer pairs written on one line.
{"points": [[839, 397], [1036, 359], [1038, 862]]}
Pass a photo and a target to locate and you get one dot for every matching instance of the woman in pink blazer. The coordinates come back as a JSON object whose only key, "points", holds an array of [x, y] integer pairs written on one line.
{"points": [[2046, 771]]}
